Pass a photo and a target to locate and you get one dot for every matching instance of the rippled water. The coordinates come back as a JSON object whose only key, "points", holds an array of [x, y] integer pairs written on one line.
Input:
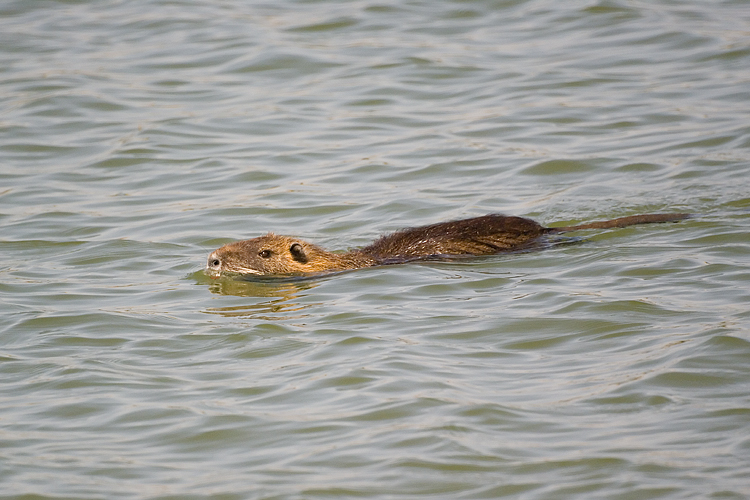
{"points": [[138, 136]]}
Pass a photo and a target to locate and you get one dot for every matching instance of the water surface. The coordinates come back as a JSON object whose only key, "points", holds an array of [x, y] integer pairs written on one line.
{"points": [[139, 136]]}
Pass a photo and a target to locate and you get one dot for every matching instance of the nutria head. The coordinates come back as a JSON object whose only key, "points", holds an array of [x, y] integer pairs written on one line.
{"points": [[281, 255], [269, 254]]}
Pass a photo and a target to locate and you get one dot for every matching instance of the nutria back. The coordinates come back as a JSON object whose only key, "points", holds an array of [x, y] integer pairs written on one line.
{"points": [[484, 235], [490, 234]]}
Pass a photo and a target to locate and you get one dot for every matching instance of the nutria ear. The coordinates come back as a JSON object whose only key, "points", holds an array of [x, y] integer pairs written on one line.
{"points": [[298, 253]]}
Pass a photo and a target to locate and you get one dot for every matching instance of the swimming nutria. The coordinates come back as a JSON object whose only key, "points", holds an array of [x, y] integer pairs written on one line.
{"points": [[285, 255]]}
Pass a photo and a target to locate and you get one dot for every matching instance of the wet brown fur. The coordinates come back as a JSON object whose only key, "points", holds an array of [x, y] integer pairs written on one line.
{"points": [[490, 234]]}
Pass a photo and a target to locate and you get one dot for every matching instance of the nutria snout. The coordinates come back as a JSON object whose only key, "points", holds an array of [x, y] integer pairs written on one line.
{"points": [[490, 234]]}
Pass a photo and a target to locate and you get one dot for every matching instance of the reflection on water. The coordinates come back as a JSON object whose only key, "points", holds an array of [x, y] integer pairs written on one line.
{"points": [[284, 289], [261, 310]]}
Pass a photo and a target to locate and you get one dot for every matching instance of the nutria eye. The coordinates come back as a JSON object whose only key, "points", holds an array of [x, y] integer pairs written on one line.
{"points": [[265, 253]]}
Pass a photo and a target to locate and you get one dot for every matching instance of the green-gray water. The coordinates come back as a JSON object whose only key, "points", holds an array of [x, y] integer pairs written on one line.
{"points": [[138, 136]]}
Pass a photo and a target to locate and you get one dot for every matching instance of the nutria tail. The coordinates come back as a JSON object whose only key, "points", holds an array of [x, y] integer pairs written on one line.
{"points": [[622, 222]]}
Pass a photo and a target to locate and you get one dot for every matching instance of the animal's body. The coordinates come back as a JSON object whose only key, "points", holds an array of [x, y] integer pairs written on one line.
{"points": [[490, 234]]}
